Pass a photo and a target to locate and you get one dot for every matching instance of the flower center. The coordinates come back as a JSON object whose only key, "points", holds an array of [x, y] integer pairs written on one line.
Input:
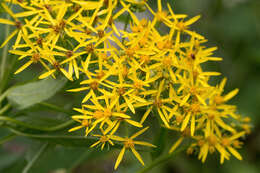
{"points": [[18, 25], [121, 91], [104, 139], [85, 123], [129, 143], [90, 48], [157, 102], [212, 140], [101, 34], [94, 85], [98, 114], [36, 57], [195, 108], [181, 26], [69, 53], [107, 113]]}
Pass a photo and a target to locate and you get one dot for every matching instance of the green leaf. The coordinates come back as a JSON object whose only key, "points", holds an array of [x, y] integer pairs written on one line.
{"points": [[27, 95]]}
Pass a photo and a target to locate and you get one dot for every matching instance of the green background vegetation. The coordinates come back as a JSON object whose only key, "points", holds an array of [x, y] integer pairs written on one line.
{"points": [[231, 25]]}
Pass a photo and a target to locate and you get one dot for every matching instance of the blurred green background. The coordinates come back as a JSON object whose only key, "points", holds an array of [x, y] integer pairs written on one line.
{"points": [[231, 25]]}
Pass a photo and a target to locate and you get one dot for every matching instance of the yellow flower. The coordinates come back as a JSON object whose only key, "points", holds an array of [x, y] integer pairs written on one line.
{"points": [[129, 143], [35, 53], [94, 82], [160, 15], [84, 124], [103, 139], [103, 115], [222, 144], [20, 28]]}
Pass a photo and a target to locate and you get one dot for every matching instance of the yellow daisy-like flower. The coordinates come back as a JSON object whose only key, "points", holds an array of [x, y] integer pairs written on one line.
{"points": [[129, 143]]}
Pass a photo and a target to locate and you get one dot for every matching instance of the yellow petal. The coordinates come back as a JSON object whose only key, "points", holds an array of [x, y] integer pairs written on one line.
{"points": [[86, 98], [89, 5], [231, 94], [75, 128], [214, 59], [27, 13], [185, 121], [204, 153], [176, 144], [236, 136], [122, 115], [194, 34], [5, 21], [235, 153], [138, 98], [18, 52], [48, 73], [178, 39], [146, 115], [119, 158], [210, 73], [163, 118], [83, 117], [201, 100], [222, 84], [192, 20], [76, 69], [139, 133], [137, 155], [117, 138], [96, 143], [223, 125], [185, 99], [23, 67], [9, 38], [134, 123], [78, 89], [66, 74], [129, 104], [192, 125], [144, 144]]}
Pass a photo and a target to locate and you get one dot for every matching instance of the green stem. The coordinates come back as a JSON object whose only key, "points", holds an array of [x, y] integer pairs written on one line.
{"points": [[55, 108], [4, 55], [126, 24], [80, 160], [5, 108], [161, 160], [7, 138], [2, 97], [4, 58], [35, 158], [62, 126], [64, 139], [46, 129]]}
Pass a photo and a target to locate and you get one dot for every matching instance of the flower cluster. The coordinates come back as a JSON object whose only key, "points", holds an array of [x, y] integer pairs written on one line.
{"points": [[129, 69]]}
